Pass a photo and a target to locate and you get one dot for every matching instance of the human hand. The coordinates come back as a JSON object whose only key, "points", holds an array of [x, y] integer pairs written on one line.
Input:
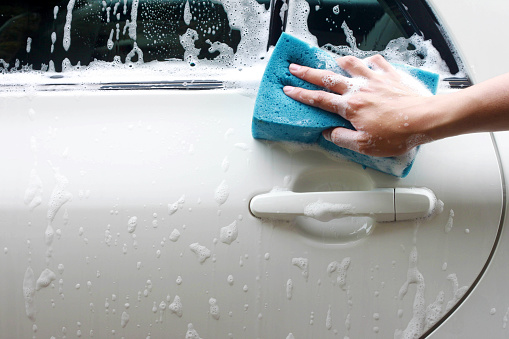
{"points": [[388, 110]]}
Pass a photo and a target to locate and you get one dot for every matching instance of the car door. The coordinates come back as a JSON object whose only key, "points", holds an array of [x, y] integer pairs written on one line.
{"points": [[125, 205]]}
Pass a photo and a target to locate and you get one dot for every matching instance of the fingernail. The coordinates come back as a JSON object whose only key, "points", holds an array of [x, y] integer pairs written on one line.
{"points": [[294, 67], [288, 89], [326, 135]]}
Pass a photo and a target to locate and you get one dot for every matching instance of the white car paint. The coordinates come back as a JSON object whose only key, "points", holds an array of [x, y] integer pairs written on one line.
{"points": [[186, 161]]}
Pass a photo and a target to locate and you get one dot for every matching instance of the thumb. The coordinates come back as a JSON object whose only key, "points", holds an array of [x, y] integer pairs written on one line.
{"points": [[343, 137]]}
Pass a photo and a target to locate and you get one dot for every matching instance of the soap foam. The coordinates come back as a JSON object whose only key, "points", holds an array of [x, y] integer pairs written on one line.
{"points": [[29, 293], [221, 193], [202, 252], [191, 332], [176, 307], [324, 211], [289, 289], [302, 263], [33, 194], [228, 234], [214, 309], [59, 196]]}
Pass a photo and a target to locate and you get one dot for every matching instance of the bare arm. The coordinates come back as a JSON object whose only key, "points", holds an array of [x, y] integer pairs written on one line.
{"points": [[391, 117]]}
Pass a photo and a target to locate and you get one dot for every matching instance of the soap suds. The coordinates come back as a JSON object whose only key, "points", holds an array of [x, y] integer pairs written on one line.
{"points": [[450, 222], [289, 289], [325, 211], [131, 224], [173, 207], [302, 263], [67, 27], [228, 234], [214, 309], [29, 293], [202, 252], [174, 235], [176, 306], [221, 193], [191, 332], [47, 277], [59, 196], [33, 194]]}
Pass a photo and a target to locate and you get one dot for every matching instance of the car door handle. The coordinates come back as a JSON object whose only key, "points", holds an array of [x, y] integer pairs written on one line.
{"points": [[383, 204]]}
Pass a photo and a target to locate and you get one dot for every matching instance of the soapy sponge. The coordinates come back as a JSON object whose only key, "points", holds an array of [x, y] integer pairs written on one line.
{"points": [[279, 118]]}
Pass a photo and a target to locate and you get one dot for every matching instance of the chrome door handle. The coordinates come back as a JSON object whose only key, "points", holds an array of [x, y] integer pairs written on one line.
{"points": [[383, 204]]}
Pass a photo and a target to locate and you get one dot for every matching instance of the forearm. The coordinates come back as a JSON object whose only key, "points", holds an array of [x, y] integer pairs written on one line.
{"points": [[481, 108]]}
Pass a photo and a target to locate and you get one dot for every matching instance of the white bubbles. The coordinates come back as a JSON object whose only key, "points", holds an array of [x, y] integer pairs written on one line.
{"points": [[59, 196], [450, 222], [47, 277], [228, 234], [174, 235], [49, 235], [301, 263], [187, 41], [33, 194], [135, 52], [298, 14], [226, 54], [187, 14], [109, 44], [434, 311], [202, 252], [324, 211], [343, 267], [67, 27], [29, 292], [214, 309], [173, 207], [191, 332], [221, 193], [225, 164], [176, 306], [328, 319], [131, 224], [124, 319], [289, 289]]}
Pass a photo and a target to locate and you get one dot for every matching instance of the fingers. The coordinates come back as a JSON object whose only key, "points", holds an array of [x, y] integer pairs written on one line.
{"points": [[354, 66], [339, 83], [378, 62], [343, 137], [327, 101], [322, 78]]}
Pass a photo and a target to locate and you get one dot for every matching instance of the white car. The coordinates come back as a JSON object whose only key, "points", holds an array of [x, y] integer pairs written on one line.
{"points": [[128, 176]]}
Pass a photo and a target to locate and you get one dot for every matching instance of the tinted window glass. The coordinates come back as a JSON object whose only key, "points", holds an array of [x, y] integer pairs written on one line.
{"points": [[373, 23], [43, 34]]}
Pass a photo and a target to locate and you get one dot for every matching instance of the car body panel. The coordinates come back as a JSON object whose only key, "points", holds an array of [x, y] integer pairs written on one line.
{"points": [[186, 160], [78, 165]]}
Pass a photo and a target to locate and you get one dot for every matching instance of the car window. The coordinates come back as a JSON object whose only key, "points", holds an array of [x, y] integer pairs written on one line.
{"points": [[60, 35], [373, 23], [51, 35]]}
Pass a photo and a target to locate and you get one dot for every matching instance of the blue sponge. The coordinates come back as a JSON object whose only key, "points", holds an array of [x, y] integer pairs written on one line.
{"points": [[279, 118]]}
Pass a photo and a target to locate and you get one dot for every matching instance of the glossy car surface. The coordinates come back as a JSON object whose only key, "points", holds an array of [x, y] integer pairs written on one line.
{"points": [[125, 212]]}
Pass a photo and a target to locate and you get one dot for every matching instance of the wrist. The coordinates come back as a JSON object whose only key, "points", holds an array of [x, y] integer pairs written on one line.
{"points": [[448, 115]]}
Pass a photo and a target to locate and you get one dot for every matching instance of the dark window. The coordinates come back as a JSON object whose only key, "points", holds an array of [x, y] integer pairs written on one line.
{"points": [[34, 33]]}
